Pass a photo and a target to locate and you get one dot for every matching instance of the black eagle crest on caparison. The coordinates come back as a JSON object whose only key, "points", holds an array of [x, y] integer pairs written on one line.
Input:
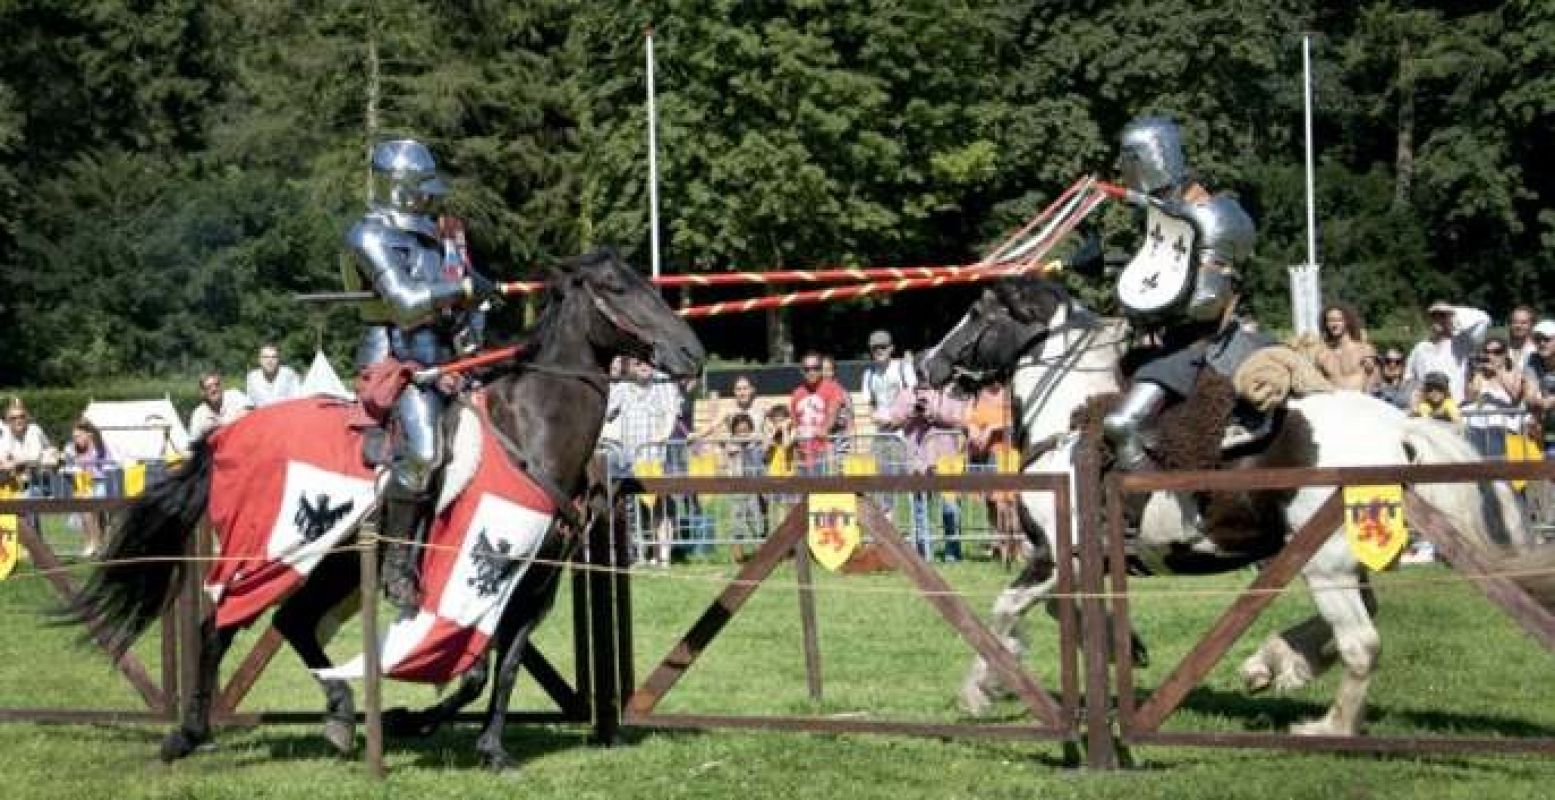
{"points": [[315, 519], [493, 564]]}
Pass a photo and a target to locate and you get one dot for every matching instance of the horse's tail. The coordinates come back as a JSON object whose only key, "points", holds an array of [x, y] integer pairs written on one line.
{"points": [[146, 555], [1488, 512]]}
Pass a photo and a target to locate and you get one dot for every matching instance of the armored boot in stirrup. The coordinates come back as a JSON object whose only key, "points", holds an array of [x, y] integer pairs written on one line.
{"points": [[403, 531]]}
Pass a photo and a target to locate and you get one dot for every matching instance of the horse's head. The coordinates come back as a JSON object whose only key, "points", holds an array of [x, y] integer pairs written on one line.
{"points": [[629, 316], [1001, 325]]}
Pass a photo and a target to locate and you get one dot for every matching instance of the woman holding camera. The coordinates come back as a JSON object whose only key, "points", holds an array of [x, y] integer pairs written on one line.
{"points": [[1493, 405]]}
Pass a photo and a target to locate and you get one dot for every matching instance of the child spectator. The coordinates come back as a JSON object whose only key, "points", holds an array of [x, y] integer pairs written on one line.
{"points": [[743, 455], [1436, 400], [86, 455]]}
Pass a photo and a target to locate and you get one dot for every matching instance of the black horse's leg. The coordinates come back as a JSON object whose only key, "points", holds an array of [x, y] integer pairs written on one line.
{"points": [[331, 583], [195, 730], [404, 722], [510, 654]]}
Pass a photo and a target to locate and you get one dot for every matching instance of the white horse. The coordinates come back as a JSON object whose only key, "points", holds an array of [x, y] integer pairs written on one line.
{"points": [[1057, 354]]}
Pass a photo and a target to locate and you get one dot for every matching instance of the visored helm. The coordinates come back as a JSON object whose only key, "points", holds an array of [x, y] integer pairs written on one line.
{"points": [[1152, 156], [405, 177]]}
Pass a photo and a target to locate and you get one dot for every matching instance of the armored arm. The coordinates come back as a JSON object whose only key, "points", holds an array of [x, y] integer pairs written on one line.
{"points": [[1224, 237], [382, 255]]}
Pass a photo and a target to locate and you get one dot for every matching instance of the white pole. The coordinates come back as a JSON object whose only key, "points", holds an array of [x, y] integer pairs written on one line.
{"points": [[1306, 72], [1306, 290], [653, 164]]}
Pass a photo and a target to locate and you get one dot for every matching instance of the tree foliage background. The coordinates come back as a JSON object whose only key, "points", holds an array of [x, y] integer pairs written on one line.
{"points": [[173, 170]]}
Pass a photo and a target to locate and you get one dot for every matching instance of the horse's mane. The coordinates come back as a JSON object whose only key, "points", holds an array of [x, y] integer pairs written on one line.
{"points": [[1032, 298], [548, 321]]}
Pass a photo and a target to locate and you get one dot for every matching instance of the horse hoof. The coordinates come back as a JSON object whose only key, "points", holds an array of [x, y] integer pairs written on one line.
{"points": [[341, 735], [495, 758], [974, 701], [180, 743], [1320, 727], [1255, 676]]}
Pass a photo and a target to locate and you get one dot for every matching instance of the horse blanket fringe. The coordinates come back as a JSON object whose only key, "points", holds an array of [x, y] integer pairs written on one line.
{"points": [[288, 485], [1273, 374]]}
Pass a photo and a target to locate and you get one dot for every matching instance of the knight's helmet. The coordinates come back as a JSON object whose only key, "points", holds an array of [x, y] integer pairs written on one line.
{"points": [[1152, 159], [405, 178]]}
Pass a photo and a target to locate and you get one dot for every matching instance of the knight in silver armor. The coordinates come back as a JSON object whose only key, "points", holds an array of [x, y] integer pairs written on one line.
{"points": [[1198, 328], [421, 308]]}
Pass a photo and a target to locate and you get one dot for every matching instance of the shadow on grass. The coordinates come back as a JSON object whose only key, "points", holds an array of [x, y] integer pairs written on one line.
{"points": [[1273, 713]]}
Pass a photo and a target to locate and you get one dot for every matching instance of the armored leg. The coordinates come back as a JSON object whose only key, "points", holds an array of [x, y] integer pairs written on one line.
{"points": [[1125, 426], [1214, 288], [406, 504]]}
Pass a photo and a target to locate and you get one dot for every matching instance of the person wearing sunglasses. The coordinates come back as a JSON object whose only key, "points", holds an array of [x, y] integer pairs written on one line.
{"points": [[815, 404], [23, 446], [1495, 389], [1391, 386]]}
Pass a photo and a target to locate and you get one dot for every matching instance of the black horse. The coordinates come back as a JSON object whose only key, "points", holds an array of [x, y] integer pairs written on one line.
{"points": [[550, 406]]}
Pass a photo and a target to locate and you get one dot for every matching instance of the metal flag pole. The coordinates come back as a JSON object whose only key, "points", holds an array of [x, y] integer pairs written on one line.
{"points": [[1306, 291], [653, 164]]}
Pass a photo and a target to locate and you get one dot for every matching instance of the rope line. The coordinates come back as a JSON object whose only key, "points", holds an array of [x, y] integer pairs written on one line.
{"points": [[642, 571]]}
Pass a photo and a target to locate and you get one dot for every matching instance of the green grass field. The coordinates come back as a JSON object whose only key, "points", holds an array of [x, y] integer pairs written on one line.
{"points": [[1451, 664]]}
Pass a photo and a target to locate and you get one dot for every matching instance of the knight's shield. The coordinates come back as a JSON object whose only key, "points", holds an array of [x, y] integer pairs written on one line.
{"points": [[1374, 524], [833, 534], [1161, 272]]}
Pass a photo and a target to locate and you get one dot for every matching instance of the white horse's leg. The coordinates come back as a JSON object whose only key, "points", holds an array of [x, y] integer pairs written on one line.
{"points": [[1034, 583], [1334, 580], [1290, 659], [981, 687]]}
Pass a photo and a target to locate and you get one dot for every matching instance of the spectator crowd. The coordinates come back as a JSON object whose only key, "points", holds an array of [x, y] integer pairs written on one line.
{"points": [[1498, 390]]}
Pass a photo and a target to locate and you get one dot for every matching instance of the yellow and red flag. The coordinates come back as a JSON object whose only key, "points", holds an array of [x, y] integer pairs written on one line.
{"points": [[833, 533], [1374, 524]]}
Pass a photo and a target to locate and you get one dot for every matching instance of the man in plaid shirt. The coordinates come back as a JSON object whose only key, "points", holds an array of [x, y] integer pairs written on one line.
{"points": [[643, 413]]}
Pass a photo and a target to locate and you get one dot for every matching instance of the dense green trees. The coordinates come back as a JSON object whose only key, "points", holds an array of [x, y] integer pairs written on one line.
{"points": [[173, 170]]}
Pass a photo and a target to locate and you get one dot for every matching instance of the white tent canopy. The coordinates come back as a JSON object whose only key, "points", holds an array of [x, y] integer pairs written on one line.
{"points": [[321, 379], [138, 429]]}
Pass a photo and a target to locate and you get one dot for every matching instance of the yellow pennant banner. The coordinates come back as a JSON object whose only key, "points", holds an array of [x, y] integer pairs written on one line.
{"points": [[950, 465], [702, 465], [1523, 448], [833, 534], [1008, 460], [10, 542], [1374, 524], [859, 464], [781, 465], [648, 468]]}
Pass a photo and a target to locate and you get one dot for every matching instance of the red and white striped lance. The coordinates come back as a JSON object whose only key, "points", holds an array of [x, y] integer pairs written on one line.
{"points": [[775, 277], [1031, 251]]}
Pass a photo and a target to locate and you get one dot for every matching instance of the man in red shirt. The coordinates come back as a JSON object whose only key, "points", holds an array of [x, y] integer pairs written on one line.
{"points": [[814, 404]]}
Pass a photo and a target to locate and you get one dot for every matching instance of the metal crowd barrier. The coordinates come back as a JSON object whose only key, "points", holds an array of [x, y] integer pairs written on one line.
{"points": [[106, 479], [946, 525], [1507, 434]]}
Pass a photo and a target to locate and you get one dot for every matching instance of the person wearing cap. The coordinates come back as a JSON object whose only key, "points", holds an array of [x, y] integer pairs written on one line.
{"points": [[885, 377], [1436, 399], [1456, 333]]}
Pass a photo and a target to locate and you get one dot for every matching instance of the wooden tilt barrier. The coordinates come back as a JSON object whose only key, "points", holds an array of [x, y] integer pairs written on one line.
{"points": [[606, 694], [165, 695]]}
